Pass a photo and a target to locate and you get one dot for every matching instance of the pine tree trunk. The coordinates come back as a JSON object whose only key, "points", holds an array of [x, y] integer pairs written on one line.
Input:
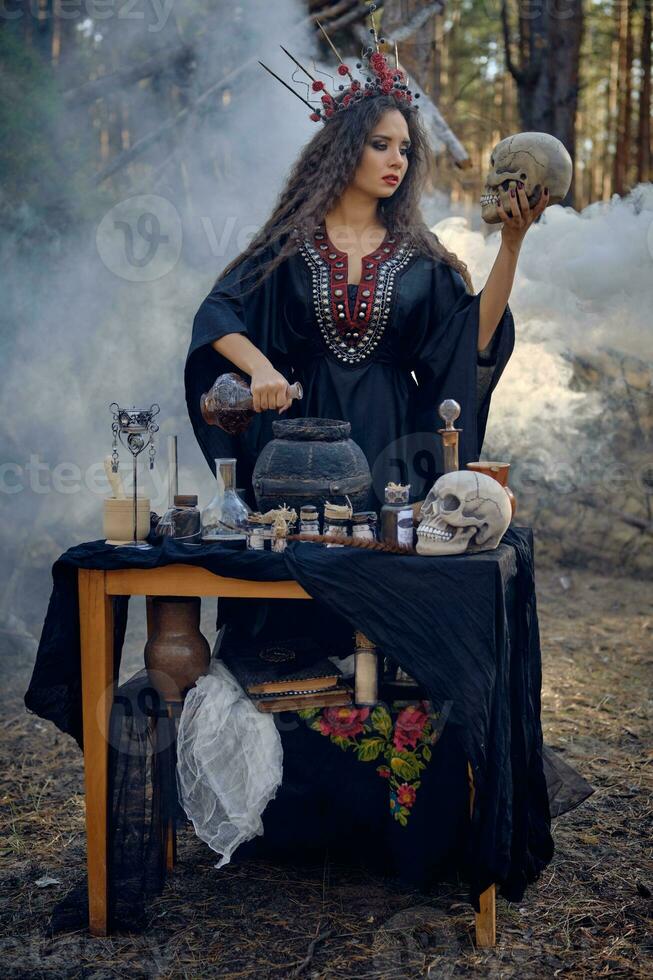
{"points": [[565, 37], [417, 52], [644, 121], [611, 124], [621, 12], [547, 77], [628, 97]]}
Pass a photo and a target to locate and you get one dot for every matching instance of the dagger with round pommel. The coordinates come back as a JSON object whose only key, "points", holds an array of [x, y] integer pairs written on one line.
{"points": [[449, 411]]}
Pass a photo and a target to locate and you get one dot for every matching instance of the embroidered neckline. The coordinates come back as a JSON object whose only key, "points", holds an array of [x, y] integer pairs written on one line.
{"points": [[352, 335], [343, 256]]}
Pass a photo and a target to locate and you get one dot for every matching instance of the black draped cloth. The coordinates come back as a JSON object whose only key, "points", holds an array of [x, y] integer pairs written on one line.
{"points": [[465, 627]]}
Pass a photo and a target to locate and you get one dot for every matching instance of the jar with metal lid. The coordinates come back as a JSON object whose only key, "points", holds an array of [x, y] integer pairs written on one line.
{"points": [[397, 515], [185, 519], [309, 520], [363, 525]]}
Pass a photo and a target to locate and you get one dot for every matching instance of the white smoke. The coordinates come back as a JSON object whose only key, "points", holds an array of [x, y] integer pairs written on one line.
{"points": [[584, 282], [105, 314]]}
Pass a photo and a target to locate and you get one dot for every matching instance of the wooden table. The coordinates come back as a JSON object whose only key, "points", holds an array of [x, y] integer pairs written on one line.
{"points": [[97, 587]]}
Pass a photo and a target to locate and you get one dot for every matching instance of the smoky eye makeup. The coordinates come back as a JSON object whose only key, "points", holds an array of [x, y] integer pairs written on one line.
{"points": [[378, 144]]}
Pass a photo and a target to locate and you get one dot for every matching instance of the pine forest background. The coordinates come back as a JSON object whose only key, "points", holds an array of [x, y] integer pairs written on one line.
{"points": [[579, 69]]}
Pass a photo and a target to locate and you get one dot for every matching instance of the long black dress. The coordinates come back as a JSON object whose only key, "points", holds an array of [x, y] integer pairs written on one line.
{"points": [[381, 355]]}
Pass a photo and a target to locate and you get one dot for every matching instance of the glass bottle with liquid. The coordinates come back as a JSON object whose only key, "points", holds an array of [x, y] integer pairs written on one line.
{"points": [[229, 403]]}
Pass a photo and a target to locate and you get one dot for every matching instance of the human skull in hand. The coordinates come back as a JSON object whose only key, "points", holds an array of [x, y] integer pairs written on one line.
{"points": [[536, 160]]}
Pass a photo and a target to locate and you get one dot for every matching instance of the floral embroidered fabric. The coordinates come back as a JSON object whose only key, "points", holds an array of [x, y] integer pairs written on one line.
{"points": [[352, 331], [403, 742]]}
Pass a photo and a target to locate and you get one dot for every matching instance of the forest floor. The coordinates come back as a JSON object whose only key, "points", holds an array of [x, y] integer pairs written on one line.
{"points": [[586, 917]]}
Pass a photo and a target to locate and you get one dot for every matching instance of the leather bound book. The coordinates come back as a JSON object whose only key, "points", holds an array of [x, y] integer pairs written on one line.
{"points": [[335, 698], [263, 671]]}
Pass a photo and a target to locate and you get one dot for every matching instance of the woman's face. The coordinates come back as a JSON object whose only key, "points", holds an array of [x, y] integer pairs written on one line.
{"points": [[384, 161]]}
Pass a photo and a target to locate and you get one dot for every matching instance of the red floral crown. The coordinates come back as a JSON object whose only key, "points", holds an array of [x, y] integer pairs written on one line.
{"points": [[377, 78]]}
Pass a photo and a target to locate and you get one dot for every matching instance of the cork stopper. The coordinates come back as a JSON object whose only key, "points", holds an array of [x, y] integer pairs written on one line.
{"points": [[185, 500]]}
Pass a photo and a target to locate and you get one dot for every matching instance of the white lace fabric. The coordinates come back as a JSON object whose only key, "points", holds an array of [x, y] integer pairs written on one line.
{"points": [[229, 762]]}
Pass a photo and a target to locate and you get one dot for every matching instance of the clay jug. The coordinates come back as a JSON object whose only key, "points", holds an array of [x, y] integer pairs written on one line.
{"points": [[498, 472], [176, 652]]}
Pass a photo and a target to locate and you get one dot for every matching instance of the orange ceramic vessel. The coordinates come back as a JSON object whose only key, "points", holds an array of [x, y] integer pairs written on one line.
{"points": [[499, 472]]}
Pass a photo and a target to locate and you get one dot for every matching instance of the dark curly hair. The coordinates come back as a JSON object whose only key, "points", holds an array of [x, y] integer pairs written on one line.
{"points": [[326, 167]]}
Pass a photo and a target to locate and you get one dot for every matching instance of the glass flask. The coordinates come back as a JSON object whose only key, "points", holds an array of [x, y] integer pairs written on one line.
{"points": [[229, 403], [224, 519]]}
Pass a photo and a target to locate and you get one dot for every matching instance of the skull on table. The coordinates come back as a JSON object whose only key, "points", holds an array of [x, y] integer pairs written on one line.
{"points": [[538, 160], [464, 511]]}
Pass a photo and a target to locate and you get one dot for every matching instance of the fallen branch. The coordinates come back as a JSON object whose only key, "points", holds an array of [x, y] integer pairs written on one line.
{"points": [[89, 91], [639, 522], [209, 94], [358, 12], [311, 951]]}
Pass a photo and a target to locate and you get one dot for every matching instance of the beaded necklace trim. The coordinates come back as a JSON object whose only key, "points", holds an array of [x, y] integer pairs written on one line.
{"points": [[352, 335]]}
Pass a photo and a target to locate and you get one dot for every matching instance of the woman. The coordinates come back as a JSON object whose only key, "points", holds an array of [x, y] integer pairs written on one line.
{"points": [[346, 290]]}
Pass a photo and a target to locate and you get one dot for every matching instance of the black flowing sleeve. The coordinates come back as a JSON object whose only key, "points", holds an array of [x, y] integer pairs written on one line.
{"points": [[448, 364], [233, 306]]}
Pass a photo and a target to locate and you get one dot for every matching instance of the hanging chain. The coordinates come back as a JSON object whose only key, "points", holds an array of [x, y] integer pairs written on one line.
{"points": [[115, 458]]}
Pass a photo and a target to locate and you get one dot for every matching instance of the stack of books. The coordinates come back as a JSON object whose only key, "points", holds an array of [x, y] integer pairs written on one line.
{"points": [[289, 684]]}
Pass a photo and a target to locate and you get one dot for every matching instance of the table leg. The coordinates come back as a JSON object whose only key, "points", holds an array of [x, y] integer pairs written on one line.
{"points": [[96, 641], [486, 919], [168, 829]]}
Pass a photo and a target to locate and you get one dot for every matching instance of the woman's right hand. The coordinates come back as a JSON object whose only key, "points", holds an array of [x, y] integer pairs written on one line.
{"points": [[269, 390]]}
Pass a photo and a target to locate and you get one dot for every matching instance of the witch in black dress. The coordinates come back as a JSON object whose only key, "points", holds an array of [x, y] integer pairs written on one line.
{"points": [[346, 290]]}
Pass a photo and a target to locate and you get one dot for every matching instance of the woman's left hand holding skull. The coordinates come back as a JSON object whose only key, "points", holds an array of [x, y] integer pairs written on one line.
{"points": [[521, 216]]}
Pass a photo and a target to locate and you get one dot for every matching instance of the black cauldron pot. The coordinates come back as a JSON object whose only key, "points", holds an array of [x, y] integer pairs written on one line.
{"points": [[310, 461]]}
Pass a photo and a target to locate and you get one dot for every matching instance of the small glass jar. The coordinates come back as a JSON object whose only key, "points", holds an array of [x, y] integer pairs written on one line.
{"points": [[185, 519], [309, 520], [335, 523], [363, 525], [397, 516], [259, 536]]}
